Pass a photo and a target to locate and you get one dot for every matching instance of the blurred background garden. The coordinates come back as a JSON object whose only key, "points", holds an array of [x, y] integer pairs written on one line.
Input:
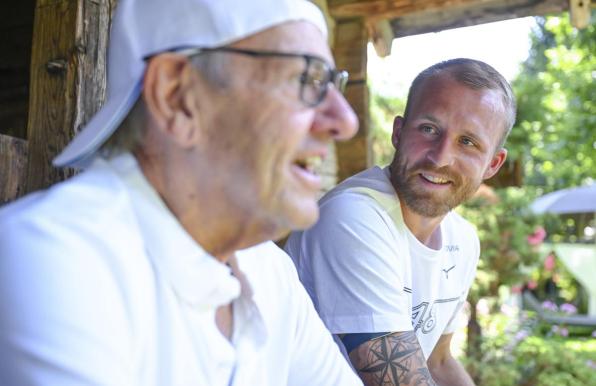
{"points": [[532, 314]]}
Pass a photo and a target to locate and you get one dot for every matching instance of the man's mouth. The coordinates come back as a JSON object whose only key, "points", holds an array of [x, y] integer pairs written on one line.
{"points": [[305, 170], [435, 179], [310, 164]]}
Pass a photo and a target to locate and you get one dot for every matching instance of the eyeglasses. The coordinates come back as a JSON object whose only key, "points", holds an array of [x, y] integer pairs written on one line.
{"points": [[314, 81]]}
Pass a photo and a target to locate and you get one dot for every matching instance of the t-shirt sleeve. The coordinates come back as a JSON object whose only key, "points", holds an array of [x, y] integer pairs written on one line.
{"points": [[355, 267]]}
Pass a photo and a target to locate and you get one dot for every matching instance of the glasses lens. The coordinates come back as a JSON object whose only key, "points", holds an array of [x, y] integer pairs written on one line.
{"points": [[314, 81]]}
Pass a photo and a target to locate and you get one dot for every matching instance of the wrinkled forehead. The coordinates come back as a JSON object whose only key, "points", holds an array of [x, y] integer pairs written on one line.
{"points": [[301, 37]]}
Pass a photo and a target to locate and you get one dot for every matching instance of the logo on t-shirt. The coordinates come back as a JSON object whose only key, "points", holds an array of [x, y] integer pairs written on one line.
{"points": [[424, 315], [452, 248], [446, 271]]}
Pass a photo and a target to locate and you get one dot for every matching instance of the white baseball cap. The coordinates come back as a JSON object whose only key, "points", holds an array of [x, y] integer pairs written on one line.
{"points": [[142, 28]]}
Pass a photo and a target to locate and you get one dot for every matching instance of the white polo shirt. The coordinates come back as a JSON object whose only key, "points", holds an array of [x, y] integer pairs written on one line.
{"points": [[100, 285]]}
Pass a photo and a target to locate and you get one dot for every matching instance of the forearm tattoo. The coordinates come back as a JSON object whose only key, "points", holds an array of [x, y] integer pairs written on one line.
{"points": [[392, 360]]}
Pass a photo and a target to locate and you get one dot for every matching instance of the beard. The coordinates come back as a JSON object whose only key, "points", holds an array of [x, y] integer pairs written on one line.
{"points": [[427, 203]]}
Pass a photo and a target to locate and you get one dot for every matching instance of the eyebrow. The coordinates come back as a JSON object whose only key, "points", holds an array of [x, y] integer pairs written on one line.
{"points": [[431, 118]]}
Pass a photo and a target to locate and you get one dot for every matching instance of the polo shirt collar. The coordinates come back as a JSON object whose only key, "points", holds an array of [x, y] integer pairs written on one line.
{"points": [[196, 277]]}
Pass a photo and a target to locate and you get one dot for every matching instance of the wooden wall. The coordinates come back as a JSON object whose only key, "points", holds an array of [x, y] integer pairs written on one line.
{"points": [[52, 80], [349, 49]]}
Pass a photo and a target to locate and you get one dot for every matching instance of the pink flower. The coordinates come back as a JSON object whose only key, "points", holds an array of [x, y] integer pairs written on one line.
{"points": [[532, 284], [516, 289], [548, 305], [537, 237], [564, 332], [549, 262], [568, 308]]}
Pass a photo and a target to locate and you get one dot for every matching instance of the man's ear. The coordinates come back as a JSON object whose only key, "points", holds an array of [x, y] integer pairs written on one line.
{"points": [[398, 124], [495, 163], [168, 96]]}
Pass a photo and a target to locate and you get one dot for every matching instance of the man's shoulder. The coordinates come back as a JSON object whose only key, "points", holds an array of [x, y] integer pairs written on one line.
{"points": [[374, 179], [92, 202], [368, 191], [80, 231], [76, 193]]}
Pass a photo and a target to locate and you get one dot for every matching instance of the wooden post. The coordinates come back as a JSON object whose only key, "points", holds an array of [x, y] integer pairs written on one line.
{"points": [[13, 158], [67, 79], [351, 38], [580, 12]]}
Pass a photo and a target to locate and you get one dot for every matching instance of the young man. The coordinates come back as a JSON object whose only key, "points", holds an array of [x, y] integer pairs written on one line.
{"points": [[149, 268], [389, 265]]}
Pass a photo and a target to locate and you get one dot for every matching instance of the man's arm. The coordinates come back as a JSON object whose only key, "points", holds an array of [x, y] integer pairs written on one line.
{"points": [[392, 360], [445, 369]]}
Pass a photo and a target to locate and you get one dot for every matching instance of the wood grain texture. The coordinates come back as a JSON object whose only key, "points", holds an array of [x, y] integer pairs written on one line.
{"points": [[13, 161], [386, 9], [458, 9], [580, 12], [463, 16], [67, 79], [351, 38]]}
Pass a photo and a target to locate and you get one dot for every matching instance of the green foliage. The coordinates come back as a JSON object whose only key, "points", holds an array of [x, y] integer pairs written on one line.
{"points": [[383, 109], [555, 133], [552, 363], [516, 355], [503, 228]]}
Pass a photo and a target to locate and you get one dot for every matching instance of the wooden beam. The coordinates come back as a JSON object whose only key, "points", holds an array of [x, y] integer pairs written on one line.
{"points": [[389, 9], [450, 13], [13, 158], [381, 35], [489, 11], [67, 79], [351, 40], [580, 12]]}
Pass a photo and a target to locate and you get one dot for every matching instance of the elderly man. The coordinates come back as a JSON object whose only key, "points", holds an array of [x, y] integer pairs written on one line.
{"points": [[389, 264], [149, 268]]}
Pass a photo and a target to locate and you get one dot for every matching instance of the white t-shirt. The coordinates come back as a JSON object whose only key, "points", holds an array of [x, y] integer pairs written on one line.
{"points": [[100, 285], [366, 272]]}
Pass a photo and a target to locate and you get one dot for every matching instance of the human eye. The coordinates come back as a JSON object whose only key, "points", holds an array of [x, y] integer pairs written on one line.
{"points": [[314, 81], [428, 129], [315, 75], [466, 141]]}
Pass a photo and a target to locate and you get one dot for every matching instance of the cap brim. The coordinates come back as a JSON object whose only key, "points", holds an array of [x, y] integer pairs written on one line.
{"points": [[80, 151]]}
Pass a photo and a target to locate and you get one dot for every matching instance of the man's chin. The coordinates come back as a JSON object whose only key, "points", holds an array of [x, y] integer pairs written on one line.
{"points": [[428, 205]]}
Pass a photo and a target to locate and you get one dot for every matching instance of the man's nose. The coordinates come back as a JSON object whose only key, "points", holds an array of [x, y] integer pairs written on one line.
{"points": [[335, 118], [441, 153]]}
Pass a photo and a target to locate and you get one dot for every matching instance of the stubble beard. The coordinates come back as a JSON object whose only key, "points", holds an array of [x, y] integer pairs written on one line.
{"points": [[429, 204]]}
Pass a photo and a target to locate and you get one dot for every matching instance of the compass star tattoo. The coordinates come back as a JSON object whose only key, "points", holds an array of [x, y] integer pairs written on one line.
{"points": [[392, 360]]}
